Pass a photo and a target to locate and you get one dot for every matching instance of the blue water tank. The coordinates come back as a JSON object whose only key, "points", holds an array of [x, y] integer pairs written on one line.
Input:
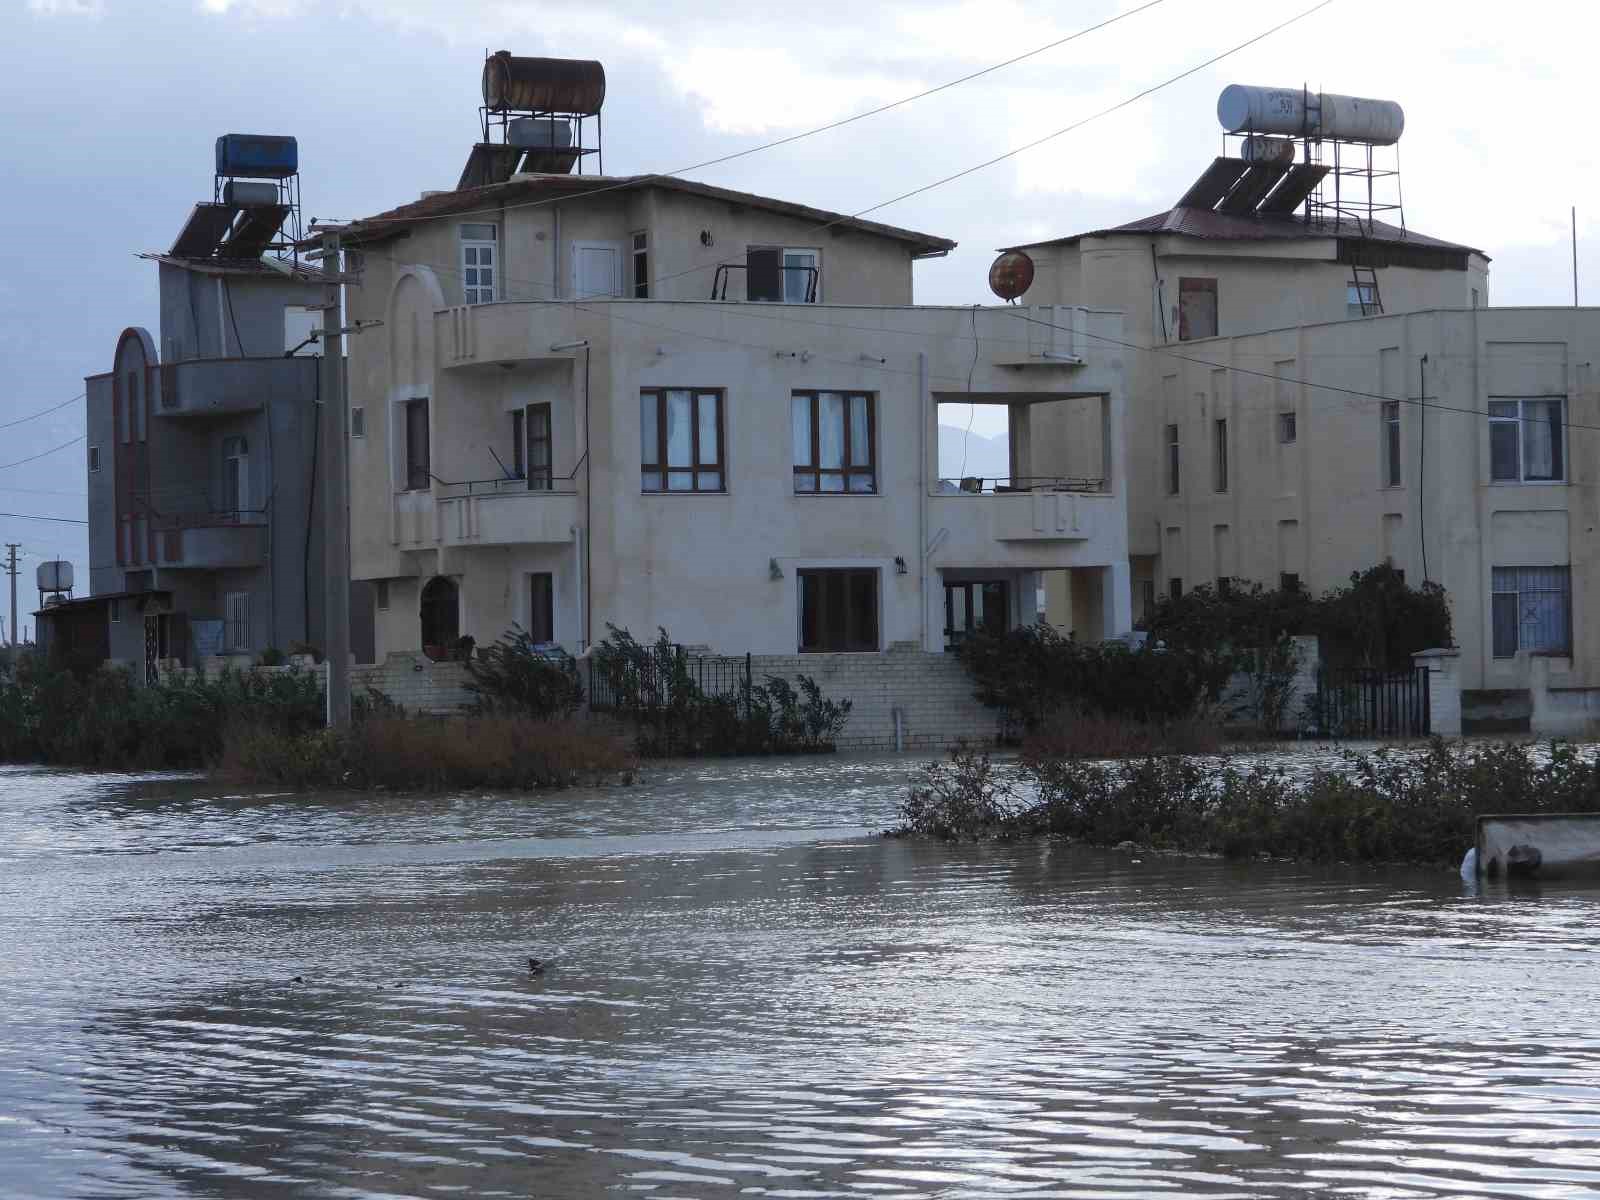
{"points": [[257, 156]]}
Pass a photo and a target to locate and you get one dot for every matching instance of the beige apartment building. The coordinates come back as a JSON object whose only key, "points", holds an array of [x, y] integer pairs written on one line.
{"points": [[1192, 273], [647, 402]]}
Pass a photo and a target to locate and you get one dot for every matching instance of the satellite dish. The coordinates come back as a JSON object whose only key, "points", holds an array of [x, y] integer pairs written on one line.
{"points": [[1011, 275]]}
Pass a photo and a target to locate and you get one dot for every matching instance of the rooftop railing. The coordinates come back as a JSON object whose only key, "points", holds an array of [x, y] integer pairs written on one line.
{"points": [[1002, 485]]}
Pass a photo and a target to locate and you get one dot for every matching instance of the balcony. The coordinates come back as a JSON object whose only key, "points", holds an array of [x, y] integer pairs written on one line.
{"points": [[225, 387], [506, 512], [212, 541], [1025, 515]]}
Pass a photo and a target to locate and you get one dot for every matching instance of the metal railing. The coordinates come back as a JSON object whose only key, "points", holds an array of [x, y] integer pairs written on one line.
{"points": [[507, 485], [1001, 485], [1370, 702], [654, 683]]}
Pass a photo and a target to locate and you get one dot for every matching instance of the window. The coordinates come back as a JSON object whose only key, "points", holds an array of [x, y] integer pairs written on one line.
{"points": [[1475, 298], [1525, 441], [1219, 456], [1175, 588], [971, 606], [541, 607], [838, 610], [537, 424], [1173, 477], [1361, 299], [358, 421], [834, 436], [1286, 428], [94, 458], [1147, 596], [1391, 443], [115, 609], [1531, 609], [380, 595], [1197, 309], [236, 622], [478, 250], [418, 472], [680, 441], [235, 476], [1289, 581], [596, 269], [519, 443], [780, 273], [641, 266]]}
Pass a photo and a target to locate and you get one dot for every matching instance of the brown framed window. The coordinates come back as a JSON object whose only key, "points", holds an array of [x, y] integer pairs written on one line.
{"points": [[537, 466], [973, 605], [835, 442], [542, 607], [418, 466], [519, 443], [838, 610], [680, 441]]}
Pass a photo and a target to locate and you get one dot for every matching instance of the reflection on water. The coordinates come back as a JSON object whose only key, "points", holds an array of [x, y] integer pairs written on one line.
{"points": [[746, 996]]}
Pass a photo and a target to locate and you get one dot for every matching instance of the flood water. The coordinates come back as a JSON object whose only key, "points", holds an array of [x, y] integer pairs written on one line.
{"points": [[748, 995]]}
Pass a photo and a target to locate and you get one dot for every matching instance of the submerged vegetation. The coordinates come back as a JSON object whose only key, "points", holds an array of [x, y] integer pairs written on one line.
{"points": [[1387, 806]]}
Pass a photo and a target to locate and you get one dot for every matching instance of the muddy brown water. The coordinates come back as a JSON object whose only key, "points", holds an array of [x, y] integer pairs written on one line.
{"points": [[747, 995]]}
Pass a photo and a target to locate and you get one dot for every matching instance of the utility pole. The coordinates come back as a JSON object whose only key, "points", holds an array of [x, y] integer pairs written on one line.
{"points": [[334, 486], [11, 570]]}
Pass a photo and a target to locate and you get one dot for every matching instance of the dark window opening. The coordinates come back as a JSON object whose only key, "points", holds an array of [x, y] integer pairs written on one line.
{"points": [[1289, 581], [537, 424], [418, 467], [1175, 588], [1286, 427], [519, 443], [1220, 456], [1391, 443], [1173, 463], [680, 441], [641, 266], [380, 595], [838, 610], [835, 438], [542, 607], [440, 615], [1197, 309], [973, 605]]}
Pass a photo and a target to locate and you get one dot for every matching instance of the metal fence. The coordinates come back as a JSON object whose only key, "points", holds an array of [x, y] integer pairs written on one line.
{"points": [[1370, 702], [650, 683]]}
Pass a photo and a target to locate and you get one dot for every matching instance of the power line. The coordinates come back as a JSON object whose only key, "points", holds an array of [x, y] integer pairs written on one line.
{"points": [[1018, 314], [793, 137], [927, 187], [43, 412], [33, 517], [44, 453]]}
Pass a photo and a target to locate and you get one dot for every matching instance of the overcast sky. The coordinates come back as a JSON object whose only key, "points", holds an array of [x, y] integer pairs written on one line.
{"points": [[110, 109]]}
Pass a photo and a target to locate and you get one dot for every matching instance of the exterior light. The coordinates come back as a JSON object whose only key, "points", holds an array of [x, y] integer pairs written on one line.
{"points": [[899, 565], [774, 571]]}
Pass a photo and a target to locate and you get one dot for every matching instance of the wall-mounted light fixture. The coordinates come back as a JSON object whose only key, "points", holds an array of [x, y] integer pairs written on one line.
{"points": [[705, 237], [899, 565], [774, 571]]}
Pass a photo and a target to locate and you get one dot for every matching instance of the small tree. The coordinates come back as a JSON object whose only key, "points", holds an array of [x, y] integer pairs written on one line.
{"points": [[513, 677]]}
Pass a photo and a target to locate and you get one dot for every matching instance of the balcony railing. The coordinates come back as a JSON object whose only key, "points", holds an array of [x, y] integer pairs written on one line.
{"points": [[1003, 485], [507, 511], [514, 485]]}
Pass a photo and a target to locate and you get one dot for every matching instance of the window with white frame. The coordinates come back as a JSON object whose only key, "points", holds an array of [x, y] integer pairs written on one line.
{"points": [[1531, 609], [1287, 431], [790, 274], [1527, 440], [94, 458], [235, 476], [479, 263]]}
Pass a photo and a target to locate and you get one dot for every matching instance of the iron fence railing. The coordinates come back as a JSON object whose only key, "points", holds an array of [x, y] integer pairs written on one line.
{"points": [[986, 485], [1371, 702], [658, 681]]}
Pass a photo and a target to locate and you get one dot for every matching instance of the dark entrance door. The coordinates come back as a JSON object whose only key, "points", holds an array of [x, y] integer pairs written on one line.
{"points": [[440, 617], [975, 604]]}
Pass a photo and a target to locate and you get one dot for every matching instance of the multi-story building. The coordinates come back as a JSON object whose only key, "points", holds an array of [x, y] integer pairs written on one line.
{"points": [[204, 528], [648, 402]]}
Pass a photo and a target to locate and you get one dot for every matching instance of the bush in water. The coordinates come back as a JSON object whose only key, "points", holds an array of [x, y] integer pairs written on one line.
{"points": [[1416, 807], [513, 677]]}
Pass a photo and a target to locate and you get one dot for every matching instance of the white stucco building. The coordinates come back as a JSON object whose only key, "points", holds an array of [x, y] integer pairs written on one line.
{"points": [[562, 423]]}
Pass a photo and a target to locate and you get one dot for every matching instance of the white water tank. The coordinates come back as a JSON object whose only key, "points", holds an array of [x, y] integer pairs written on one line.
{"points": [[55, 576], [1267, 150], [1287, 111], [539, 133]]}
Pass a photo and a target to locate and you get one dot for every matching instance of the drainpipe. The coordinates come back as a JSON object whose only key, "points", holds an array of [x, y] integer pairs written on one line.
{"points": [[555, 252], [922, 497]]}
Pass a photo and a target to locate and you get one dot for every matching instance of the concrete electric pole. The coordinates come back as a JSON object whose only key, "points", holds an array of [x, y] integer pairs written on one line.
{"points": [[334, 486], [11, 570]]}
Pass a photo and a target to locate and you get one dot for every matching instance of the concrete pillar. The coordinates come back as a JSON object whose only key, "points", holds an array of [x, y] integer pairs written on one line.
{"points": [[1444, 689], [1116, 600]]}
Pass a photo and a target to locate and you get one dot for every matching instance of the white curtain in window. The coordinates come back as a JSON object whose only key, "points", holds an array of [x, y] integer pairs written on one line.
{"points": [[830, 419], [1541, 438], [680, 435], [800, 415]]}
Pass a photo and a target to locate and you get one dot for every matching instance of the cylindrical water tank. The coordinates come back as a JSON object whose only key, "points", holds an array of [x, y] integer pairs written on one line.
{"points": [[565, 85], [1286, 111], [257, 156], [539, 133], [1268, 150], [246, 194], [55, 576]]}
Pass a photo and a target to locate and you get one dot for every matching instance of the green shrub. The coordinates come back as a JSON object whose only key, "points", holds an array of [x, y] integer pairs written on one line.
{"points": [[512, 677], [650, 688]]}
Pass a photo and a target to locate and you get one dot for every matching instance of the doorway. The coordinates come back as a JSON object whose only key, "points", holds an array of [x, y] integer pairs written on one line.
{"points": [[440, 612]]}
